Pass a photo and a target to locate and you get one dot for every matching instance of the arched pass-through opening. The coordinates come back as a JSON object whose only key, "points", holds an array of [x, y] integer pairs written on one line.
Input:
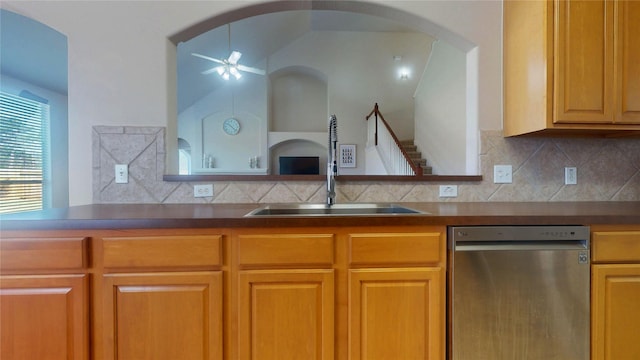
{"points": [[387, 12], [390, 13]]}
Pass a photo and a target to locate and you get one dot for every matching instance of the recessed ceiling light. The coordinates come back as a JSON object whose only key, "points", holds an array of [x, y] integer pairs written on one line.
{"points": [[404, 73]]}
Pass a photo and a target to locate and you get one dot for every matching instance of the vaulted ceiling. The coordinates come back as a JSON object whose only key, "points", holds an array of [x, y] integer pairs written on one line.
{"points": [[259, 37]]}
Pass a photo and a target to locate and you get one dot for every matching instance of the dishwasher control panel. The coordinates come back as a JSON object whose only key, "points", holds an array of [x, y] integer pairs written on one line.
{"points": [[515, 233]]}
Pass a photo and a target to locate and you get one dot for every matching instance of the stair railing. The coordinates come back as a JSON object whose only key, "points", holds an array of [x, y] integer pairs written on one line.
{"points": [[395, 158]]}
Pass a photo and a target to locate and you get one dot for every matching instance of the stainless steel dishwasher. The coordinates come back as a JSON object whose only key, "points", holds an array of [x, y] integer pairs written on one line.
{"points": [[519, 293]]}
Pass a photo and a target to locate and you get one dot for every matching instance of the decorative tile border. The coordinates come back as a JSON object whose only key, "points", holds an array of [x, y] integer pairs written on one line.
{"points": [[608, 170]]}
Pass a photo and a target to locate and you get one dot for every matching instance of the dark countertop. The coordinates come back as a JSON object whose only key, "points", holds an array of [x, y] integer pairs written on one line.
{"points": [[130, 216]]}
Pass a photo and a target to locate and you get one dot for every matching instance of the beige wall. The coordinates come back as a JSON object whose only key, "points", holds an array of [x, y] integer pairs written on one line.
{"points": [[121, 61], [440, 111]]}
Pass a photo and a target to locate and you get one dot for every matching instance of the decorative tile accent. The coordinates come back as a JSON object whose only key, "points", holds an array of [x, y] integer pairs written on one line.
{"points": [[138, 148], [608, 169]]}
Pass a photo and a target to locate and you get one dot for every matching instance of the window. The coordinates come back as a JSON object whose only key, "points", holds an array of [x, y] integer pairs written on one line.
{"points": [[24, 154]]}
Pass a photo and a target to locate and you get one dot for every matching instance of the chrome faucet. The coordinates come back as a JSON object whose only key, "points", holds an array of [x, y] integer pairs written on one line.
{"points": [[332, 162]]}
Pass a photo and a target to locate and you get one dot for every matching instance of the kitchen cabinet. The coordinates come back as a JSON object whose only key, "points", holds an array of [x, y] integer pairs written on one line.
{"points": [[161, 296], [397, 295], [44, 298], [571, 66], [285, 295], [615, 295], [163, 315], [351, 293], [268, 293]]}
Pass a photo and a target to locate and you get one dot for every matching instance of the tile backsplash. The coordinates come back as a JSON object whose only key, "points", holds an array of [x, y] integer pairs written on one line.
{"points": [[608, 170]]}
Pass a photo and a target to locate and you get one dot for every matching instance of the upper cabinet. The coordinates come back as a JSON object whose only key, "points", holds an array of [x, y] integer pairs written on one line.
{"points": [[571, 66]]}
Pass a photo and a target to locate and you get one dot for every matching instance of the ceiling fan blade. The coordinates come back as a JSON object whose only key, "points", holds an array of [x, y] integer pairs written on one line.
{"points": [[234, 57], [251, 70], [208, 58], [212, 70]]}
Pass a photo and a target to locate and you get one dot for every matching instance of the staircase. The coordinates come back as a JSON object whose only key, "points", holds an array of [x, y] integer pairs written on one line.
{"points": [[416, 156], [398, 157]]}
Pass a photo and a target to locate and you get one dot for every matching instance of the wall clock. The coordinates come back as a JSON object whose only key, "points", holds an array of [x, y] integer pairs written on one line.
{"points": [[231, 126]]}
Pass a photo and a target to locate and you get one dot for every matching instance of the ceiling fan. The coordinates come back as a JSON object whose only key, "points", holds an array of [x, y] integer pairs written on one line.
{"points": [[229, 66]]}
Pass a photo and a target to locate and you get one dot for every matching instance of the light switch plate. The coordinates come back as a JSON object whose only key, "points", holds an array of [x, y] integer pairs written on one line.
{"points": [[122, 173], [502, 174], [448, 190]]}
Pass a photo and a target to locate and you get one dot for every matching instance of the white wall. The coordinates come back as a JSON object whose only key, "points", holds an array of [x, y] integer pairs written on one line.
{"points": [[440, 125], [245, 100], [122, 65], [298, 103]]}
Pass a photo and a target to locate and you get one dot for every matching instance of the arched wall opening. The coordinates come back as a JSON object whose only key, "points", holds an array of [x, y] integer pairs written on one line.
{"points": [[468, 138]]}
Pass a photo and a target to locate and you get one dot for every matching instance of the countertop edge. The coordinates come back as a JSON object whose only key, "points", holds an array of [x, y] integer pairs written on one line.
{"points": [[132, 216]]}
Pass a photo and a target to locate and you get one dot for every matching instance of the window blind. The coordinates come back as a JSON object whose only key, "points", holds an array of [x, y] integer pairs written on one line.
{"points": [[24, 155]]}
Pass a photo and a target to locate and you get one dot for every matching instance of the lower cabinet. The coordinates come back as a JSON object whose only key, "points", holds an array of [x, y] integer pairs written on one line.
{"points": [[396, 313], [44, 317], [44, 301], [272, 293], [397, 294], [286, 314], [257, 293], [615, 299], [285, 283], [163, 315], [616, 311], [161, 297], [348, 294]]}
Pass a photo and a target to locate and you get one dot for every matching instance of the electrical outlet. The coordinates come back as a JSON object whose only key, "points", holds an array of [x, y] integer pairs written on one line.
{"points": [[122, 174], [570, 176], [203, 190], [502, 174], [448, 190]]}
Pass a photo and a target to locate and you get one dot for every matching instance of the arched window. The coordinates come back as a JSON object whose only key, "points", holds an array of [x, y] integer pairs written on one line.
{"points": [[184, 157], [33, 82]]}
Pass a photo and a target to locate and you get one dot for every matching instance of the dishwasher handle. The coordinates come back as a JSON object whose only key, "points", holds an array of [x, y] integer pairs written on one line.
{"points": [[520, 245]]}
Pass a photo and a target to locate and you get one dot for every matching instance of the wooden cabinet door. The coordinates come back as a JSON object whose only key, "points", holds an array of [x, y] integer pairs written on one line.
{"points": [[286, 314], [44, 317], [615, 312], [583, 62], [628, 61], [396, 313], [159, 316]]}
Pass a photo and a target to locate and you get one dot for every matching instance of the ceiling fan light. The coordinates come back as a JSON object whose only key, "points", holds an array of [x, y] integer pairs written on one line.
{"points": [[225, 75], [220, 70], [235, 72]]}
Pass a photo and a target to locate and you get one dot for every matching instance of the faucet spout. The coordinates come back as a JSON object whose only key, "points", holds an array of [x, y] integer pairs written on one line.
{"points": [[332, 162]]}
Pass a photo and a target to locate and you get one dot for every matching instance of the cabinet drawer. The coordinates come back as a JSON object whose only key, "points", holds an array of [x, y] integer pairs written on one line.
{"points": [[43, 253], [615, 246], [286, 249], [162, 251], [396, 248]]}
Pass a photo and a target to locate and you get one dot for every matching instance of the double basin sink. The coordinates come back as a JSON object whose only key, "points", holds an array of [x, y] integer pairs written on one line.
{"points": [[354, 209]]}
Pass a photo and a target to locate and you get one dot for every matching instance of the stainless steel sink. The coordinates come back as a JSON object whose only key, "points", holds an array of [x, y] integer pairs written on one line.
{"points": [[333, 210]]}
